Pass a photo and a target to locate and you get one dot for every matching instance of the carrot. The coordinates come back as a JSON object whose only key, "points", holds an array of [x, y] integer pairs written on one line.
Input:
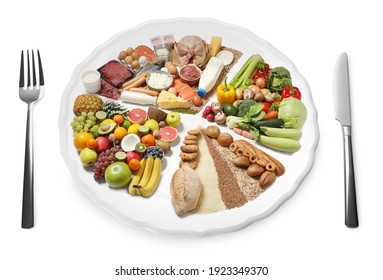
{"points": [[271, 115], [134, 79], [146, 91]]}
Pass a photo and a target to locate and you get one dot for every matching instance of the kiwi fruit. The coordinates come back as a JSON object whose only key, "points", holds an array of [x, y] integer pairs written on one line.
{"points": [[165, 146]]}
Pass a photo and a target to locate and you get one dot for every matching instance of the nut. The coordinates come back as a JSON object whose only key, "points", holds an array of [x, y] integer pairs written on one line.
{"points": [[255, 170], [267, 179], [241, 161]]}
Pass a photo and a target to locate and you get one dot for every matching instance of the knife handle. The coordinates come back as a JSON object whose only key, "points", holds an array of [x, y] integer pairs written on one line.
{"points": [[351, 213]]}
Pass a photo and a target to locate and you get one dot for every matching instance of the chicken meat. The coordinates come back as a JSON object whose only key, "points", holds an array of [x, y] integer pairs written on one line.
{"points": [[190, 49]]}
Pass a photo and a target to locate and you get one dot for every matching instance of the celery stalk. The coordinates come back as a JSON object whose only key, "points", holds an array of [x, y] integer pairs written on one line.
{"points": [[243, 78]]}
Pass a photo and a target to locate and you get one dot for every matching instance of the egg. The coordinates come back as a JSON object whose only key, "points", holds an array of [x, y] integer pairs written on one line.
{"points": [[128, 59], [135, 64], [143, 61], [197, 100], [172, 90], [135, 55], [171, 68]]}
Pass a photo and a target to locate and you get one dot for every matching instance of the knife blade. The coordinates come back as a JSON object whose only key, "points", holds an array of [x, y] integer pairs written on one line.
{"points": [[342, 106]]}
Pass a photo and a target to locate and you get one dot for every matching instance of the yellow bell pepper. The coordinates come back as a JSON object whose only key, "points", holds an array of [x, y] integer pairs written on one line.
{"points": [[226, 93]]}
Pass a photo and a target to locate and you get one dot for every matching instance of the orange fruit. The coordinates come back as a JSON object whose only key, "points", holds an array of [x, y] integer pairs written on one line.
{"points": [[91, 143], [134, 164], [148, 140], [80, 140], [120, 132], [118, 119]]}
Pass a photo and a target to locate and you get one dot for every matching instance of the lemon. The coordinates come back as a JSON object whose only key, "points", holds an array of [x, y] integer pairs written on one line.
{"points": [[133, 128]]}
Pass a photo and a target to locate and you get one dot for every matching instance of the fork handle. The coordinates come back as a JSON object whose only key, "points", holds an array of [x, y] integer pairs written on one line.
{"points": [[351, 217], [27, 220]]}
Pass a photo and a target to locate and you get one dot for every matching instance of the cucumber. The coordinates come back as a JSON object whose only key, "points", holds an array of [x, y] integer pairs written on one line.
{"points": [[291, 133], [270, 123], [280, 144]]}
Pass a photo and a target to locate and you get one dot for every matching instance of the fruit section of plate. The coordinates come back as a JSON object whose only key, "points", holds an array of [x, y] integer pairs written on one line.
{"points": [[125, 122]]}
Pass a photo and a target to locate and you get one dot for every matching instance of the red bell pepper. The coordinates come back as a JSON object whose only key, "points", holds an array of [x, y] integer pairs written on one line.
{"points": [[290, 91], [266, 106]]}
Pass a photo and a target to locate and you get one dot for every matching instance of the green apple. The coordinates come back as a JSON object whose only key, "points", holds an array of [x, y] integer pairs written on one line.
{"points": [[152, 124], [173, 119], [88, 157], [118, 175]]}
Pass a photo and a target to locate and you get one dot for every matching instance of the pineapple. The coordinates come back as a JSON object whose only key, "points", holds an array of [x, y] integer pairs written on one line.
{"points": [[87, 103], [113, 108]]}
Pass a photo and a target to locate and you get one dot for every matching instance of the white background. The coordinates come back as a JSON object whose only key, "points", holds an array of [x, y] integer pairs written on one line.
{"points": [[305, 239]]}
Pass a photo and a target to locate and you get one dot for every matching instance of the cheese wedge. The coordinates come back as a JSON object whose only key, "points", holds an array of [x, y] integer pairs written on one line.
{"points": [[167, 100], [215, 45]]}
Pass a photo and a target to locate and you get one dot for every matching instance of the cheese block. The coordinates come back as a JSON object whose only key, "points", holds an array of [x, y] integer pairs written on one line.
{"points": [[167, 100], [215, 45]]}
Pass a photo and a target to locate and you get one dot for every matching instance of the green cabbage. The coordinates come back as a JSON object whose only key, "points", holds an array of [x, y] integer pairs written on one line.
{"points": [[293, 112], [279, 78]]}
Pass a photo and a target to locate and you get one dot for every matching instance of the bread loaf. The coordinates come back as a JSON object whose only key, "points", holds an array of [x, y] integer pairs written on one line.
{"points": [[185, 188]]}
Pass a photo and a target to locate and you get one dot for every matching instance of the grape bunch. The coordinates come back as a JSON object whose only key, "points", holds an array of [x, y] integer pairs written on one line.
{"points": [[105, 159], [86, 122]]}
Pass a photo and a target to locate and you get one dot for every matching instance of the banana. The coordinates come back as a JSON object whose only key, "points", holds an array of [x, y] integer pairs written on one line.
{"points": [[147, 172], [151, 186], [137, 178]]}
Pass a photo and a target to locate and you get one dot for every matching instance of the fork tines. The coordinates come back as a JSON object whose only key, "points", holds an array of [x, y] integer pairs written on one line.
{"points": [[41, 75]]}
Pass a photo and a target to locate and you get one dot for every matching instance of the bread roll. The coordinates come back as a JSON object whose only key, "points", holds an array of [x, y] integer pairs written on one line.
{"points": [[185, 189]]}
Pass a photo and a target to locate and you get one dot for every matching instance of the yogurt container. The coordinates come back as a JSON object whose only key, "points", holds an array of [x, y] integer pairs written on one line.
{"points": [[91, 81]]}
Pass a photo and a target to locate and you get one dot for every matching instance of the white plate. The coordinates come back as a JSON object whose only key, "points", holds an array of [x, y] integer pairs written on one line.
{"points": [[156, 213]]}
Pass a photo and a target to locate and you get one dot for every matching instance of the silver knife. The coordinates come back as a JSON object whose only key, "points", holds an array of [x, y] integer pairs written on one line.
{"points": [[341, 92]]}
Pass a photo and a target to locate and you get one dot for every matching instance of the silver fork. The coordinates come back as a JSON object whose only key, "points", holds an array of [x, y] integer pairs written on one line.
{"points": [[30, 94]]}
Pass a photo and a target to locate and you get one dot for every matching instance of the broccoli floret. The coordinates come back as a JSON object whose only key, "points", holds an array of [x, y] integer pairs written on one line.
{"points": [[244, 107]]}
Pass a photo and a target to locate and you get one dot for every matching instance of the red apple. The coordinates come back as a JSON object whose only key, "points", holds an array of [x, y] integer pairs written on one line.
{"points": [[103, 143], [131, 155]]}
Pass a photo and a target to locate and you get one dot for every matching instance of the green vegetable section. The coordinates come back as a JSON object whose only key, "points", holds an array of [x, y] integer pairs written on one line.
{"points": [[272, 111]]}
